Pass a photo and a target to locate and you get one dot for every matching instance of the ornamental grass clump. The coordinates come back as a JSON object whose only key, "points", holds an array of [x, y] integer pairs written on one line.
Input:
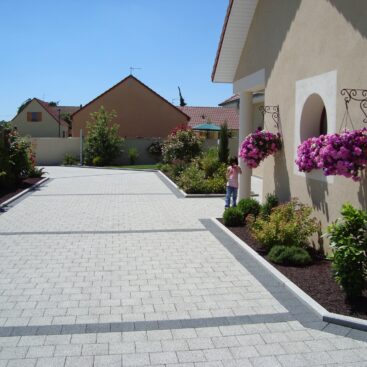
{"points": [[343, 154], [259, 145]]}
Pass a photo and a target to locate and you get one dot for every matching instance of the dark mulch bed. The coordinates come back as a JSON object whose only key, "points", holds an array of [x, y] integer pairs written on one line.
{"points": [[6, 194], [316, 280]]}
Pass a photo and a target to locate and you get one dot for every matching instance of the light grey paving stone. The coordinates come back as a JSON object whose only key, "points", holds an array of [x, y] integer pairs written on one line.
{"points": [[191, 356], [79, 361], [251, 339], [108, 361], [345, 356], [94, 349], [122, 348], [200, 343], [40, 351], [217, 354], [298, 347], [148, 346], [22, 363], [136, 359], [159, 334], [244, 362], [32, 340], [9, 341], [184, 333], [270, 349], [293, 360], [163, 358], [244, 351], [319, 345], [174, 345], [65, 350], [225, 341], [208, 332], [51, 362], [57, 339], [83, 339], [13, 352], [265, 362]]}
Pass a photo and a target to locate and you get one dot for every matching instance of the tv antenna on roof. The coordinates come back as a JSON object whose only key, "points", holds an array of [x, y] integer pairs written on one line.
{"points": [[132, 69]]}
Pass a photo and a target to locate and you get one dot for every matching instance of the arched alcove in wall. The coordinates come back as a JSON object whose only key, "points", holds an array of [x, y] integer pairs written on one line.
{"points": [[313, 118]]}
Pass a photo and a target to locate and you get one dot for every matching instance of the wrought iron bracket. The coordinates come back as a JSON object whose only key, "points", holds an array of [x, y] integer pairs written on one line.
{"points": [[358, 95], [274, 111]]}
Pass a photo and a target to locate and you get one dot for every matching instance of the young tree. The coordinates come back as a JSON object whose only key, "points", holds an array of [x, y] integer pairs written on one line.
{"points": [[223, 151], [182, 101], [24, 105], [103, 144]]}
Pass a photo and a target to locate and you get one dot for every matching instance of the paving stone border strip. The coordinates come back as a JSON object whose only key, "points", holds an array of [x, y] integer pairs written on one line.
{"points": [[225, 234], [143, 325], [174, 230], [22, 195]]}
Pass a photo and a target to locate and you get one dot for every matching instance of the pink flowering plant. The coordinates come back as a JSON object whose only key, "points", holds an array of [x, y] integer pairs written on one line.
{"points": [[259, 145], [343, 154]]}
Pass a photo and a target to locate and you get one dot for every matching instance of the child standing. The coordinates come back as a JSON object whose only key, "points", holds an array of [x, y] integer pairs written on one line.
{"points": [[232, 182]]}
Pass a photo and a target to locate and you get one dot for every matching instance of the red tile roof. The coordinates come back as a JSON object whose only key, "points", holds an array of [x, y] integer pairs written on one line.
{"points": [[216, 115], [235, 97], [53, 111]]}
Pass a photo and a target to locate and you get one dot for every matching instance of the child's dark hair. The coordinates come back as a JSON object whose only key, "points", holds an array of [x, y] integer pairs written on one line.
{"points": [[233, 160]]}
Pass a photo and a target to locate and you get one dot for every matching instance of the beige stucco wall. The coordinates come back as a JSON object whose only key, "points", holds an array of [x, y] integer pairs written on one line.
{"points": [[51, 151], [48, 127], [295, 40], [140, 112]]}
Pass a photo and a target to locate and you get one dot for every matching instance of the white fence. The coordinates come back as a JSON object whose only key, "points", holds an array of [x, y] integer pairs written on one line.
{"points": [[51, 151]]}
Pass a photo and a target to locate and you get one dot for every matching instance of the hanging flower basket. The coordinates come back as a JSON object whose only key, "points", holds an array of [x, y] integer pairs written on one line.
{"points": [[343, 154], [259, 145]]}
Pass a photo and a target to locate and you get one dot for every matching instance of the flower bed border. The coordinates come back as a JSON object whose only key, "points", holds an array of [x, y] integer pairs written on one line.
{"points": [[330, 317], [20, 194]]}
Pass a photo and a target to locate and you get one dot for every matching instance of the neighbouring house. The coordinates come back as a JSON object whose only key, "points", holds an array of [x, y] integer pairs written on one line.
{"points": [[301, 54], [42, 120], [231, 102], [141, 112], [212, 115]]}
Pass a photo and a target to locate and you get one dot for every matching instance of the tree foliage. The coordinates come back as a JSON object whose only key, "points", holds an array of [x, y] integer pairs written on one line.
{"points": [[182, 101], [223, 151], [24, 105], [102, 140]]}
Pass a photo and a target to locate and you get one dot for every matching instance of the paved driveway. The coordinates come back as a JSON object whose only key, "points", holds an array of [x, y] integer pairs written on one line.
{"points": [[110, 268]]}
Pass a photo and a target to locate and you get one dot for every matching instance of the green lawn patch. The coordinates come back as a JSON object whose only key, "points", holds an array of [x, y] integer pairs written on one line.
{"points": [[138, 166]]}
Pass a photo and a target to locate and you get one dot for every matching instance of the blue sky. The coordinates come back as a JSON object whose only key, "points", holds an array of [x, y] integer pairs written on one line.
{"points": [[72, 50]]}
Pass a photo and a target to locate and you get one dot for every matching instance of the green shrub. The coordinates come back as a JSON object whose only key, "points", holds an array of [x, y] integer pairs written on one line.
{"points": [[210, 162], [36, 172], [97, 161], [183, 144], [215, 185], [233, 217], [289, 224], [69, 160], [102, 139], [155, 149], [133, 155], [192, 180], [271, 201], [173, 170], [249, 206], [348, 240], [16, 160], [292, 255]]}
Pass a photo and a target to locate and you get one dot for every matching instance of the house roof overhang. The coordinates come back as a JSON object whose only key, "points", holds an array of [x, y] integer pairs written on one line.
{"points": [[233, 38]]}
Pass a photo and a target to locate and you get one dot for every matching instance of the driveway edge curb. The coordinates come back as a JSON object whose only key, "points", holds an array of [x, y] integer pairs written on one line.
{"points": [[17, 196], [347, 321]]}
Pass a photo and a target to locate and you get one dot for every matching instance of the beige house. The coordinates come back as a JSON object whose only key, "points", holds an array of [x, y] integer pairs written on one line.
{"points": [[141, 112], [300, 54], [39, 119]]}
